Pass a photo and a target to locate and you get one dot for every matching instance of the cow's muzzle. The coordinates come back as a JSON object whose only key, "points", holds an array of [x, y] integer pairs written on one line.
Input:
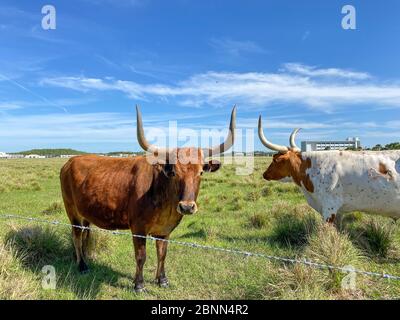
{"points": [[266, 176], [186, 207]]}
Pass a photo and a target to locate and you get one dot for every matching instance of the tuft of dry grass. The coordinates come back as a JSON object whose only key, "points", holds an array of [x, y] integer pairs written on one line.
{"points": [[15, 283], [253, 195], [55, 208], [298, 282], [330, 247], [266, 191], [258, 221], [376, 237], [98, 242], [39, 245], [294, 224]]}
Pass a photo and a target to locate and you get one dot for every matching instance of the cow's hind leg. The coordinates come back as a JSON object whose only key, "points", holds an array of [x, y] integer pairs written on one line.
{"points": [[161, 247], [85, 239], [75, 220], [78, 244], [140, 255]]}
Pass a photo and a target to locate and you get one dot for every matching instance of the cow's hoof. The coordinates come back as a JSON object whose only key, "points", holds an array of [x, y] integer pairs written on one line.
{"points": [[163, 283], [83, 268], [140, 289]]}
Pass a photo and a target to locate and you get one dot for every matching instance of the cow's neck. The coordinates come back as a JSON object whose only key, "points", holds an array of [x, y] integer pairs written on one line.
{"points": [[299, 167]]}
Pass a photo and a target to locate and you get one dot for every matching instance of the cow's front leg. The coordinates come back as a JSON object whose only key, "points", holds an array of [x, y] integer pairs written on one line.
{"points": [[329, 214], [331, 219], [140, 255], [161, 247], [330, 208]]}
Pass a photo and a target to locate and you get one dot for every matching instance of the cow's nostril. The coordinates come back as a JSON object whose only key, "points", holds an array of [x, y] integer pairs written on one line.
{"points": [[187, 207]]}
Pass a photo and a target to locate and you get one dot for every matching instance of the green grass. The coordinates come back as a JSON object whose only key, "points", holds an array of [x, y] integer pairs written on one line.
{"points": [[243, 212]]}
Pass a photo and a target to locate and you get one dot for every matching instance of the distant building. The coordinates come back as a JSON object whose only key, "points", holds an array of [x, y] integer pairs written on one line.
{"points": [[331, 145], [123, 155], [4, 155], [15, 156], [34, 156], [263, 153]]}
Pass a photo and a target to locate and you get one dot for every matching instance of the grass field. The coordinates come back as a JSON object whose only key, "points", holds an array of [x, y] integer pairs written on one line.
{"points": [[243, 212]]}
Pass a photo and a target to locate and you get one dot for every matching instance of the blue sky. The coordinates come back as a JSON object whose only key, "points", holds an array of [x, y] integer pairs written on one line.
{"points": [[190, 61]]}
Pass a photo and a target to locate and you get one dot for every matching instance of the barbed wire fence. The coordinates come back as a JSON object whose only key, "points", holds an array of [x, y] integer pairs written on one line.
{"points": [[210, 248]]}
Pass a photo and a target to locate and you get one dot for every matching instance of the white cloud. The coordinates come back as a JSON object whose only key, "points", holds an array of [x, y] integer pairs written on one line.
{"points": [[338, 88], [311, 71]]}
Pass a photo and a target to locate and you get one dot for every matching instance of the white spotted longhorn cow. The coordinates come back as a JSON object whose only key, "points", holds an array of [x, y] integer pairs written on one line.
{"points": [[336, 182]]}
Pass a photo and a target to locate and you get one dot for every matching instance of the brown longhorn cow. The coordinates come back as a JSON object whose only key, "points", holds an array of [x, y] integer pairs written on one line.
{"points": [[147, 194]]}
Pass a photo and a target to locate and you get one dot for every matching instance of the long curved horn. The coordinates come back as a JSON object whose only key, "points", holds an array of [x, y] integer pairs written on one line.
{"points": [[227, 144], [268, 144], [140, 134], [292, 140]]}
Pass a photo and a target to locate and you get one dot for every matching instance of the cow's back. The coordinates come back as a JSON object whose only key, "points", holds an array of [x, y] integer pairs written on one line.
{"points": [[357, 180], [99, 189]]}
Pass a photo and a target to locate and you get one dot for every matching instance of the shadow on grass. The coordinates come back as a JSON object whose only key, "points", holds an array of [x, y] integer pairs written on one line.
{"points": [[43, 246], [289, 231], [199, 234]]}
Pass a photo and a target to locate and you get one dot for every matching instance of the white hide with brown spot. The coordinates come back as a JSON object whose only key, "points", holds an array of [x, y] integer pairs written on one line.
{"points": [[347, 181]]}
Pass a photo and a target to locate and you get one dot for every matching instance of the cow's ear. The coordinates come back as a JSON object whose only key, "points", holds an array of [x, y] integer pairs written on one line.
{"points": [[212, 166]]}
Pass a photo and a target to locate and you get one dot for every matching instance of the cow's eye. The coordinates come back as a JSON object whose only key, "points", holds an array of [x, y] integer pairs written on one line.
{"points": [[201, 173]]}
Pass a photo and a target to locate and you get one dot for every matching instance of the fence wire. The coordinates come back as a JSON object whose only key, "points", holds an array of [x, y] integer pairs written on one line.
{"points": [[211, 248]]}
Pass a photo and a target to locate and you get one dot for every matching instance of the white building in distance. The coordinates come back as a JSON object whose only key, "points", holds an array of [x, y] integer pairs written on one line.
{"points": [[351, 142], [34, 156]]}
